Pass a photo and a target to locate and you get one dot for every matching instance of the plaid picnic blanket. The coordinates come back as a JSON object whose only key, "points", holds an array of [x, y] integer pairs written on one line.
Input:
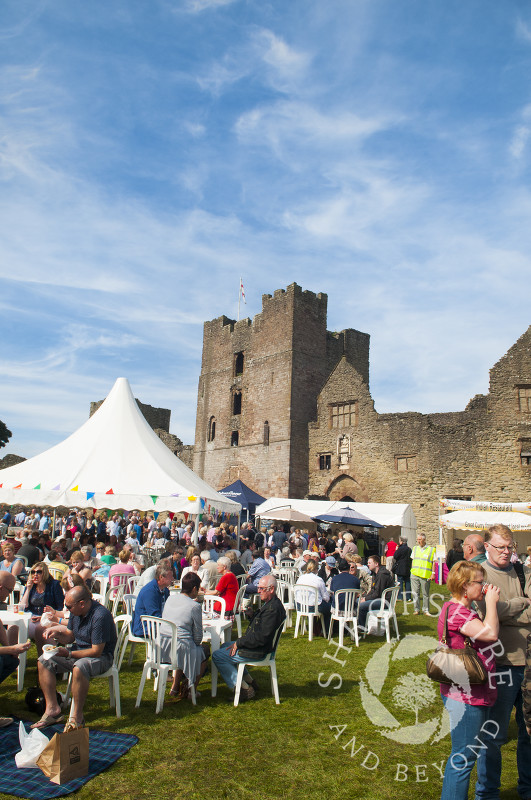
{"points": [[105, 749]]}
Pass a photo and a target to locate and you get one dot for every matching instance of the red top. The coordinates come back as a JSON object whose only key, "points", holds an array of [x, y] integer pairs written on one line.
{"points": [[484, 694], [228, 588], [390, 548]]}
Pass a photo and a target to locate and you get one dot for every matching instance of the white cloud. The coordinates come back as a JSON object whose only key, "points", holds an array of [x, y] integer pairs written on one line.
{"points": [[196, 6]]}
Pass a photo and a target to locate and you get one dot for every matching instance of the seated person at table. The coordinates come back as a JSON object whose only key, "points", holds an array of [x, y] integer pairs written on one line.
{"points": [[311, 578], [77, 565], [227, 586], [11, 563], [256, 642], [152, 596], [8, 652], [257, 570], [41, 590], [92, 631], [182, 609], [381, 580], [345, 580]]}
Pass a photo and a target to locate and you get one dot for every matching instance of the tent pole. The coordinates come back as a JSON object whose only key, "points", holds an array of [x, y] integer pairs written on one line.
{"points": [[195, 537], [53, 524]]}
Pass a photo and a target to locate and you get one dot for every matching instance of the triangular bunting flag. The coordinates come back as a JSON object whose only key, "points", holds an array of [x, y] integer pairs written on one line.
{"points": [[18, 487], [154, 497], [37, 487], [56, 488], [192, 498], [109, 492], [156, 514], [90, 495], [74, 488]]}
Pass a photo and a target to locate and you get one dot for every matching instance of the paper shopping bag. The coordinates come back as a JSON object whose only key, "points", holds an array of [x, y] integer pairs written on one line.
{"points": [[66, 756]]}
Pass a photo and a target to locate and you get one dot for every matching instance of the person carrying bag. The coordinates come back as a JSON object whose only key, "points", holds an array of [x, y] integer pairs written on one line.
{"points": [[466, 701]]}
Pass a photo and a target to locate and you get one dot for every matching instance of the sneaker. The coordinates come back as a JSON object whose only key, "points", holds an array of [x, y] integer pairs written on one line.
{"points": [[5, 721]]}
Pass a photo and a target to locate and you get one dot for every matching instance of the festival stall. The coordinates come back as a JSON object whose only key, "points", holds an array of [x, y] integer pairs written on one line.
{"points": [[479, 515], [114, 461], [396, 519]]}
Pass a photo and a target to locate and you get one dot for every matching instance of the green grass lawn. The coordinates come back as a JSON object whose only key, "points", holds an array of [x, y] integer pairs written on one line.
{"points": [[261, 751]]}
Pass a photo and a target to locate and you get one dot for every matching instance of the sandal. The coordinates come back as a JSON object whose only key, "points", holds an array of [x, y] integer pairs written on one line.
{"points": [[73, 725], [47, 720]]}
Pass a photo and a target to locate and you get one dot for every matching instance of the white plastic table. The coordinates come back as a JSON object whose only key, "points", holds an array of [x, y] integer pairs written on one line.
{"points": [[22, 623]]}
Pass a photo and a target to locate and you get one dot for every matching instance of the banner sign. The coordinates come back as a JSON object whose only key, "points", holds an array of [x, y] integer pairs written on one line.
{"points": [[481, 505]]}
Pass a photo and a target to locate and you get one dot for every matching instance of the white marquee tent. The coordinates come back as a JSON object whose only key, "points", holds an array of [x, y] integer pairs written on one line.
{"points": [[388, 514], [115, 461]]}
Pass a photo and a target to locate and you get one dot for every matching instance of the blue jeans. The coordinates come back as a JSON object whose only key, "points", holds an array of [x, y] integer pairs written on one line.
{"points": [[365, 607], [465, 727], [227, 665], [405, 587], [490, 760]]}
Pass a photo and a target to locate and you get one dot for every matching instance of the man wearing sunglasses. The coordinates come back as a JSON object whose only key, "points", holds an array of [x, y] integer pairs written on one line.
{"points": [[92, 632], [514, 611]]}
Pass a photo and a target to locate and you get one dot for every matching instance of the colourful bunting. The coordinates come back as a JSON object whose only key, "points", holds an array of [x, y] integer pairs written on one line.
{"points": [[156, 514], [74, 489], [18, 487], [37, 487], [56, 488], [109, 492], [171, 514], [90, 495], [192, 499], [154, 497]]}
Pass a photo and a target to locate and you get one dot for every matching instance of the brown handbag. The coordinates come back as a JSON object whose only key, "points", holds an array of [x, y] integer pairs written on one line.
{"points": [[458, 666]]}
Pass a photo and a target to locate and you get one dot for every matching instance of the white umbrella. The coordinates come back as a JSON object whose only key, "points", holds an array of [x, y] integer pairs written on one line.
{"points": [[286, 514]]}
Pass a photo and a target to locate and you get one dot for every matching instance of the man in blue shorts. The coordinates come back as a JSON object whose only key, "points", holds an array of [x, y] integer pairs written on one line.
{"points": [[92, 632]]}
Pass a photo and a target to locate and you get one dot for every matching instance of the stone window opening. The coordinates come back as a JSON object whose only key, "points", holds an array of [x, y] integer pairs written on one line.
{"points": [[266, 434], [234, 439], [524, 399], [211, 434], [238, 363], [344, 415], [525, 452], [237, 403], [406, 463], [325, 461]]}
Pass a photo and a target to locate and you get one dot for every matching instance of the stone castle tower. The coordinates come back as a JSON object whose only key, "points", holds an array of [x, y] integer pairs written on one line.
{"points": [[284, 405], [258, 391]]}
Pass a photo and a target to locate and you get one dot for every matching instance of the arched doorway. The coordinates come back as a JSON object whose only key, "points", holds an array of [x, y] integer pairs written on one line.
{"points": [[348, 489]]}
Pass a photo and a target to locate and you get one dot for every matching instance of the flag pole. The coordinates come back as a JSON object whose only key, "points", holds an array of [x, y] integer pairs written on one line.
{"points": [[239, 297]]}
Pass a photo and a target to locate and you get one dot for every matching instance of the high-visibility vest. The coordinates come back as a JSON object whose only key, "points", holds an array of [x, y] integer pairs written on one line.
{"points": [[422, 561]]}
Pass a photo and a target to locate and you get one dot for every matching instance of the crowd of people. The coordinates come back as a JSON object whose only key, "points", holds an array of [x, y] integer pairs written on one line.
{"points": [[490, 605]]}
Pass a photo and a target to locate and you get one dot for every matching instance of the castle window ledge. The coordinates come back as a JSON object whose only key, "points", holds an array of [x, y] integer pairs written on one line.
{"points": [[235, 423]]}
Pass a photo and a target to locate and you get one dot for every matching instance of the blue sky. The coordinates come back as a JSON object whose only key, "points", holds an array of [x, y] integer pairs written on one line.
{"points": [[151, 153]]}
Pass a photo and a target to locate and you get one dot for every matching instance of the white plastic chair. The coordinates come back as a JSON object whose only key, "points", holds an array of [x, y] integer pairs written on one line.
{"points": [[239, 609], [154, 659], [306, 605], [242, 579], [114, 597], [348, 614], [285, 595], [208, 605], [388, 613], [123, 624], [288, 574], [267, 661]]}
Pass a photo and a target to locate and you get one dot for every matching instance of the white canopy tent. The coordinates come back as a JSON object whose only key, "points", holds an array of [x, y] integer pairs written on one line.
{"points": [[479, 515], [115, 461], [388, 514]]}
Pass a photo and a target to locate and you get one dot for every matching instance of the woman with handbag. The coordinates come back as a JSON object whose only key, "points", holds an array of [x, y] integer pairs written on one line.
{"points": [[467, 706]]}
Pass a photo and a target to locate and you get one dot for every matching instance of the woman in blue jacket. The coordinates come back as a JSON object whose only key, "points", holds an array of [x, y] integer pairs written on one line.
{"points": [[41, 590]]}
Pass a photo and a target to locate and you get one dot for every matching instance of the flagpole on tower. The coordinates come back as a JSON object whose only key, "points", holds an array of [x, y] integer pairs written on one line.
{"points": [[241, 294]]}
